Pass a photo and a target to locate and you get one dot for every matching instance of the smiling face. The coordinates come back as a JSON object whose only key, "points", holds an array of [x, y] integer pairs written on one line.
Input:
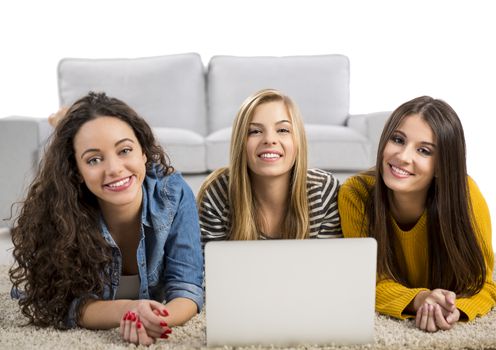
{"points": [[409, 157], [270, 147], [111, 162]]}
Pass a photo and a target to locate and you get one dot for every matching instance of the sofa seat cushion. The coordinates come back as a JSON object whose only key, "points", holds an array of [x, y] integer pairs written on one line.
{"points": [[329, 147], [186, 149], [217, 145]]}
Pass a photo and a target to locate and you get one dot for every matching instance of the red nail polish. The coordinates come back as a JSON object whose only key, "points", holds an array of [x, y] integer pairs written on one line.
{"points": [[164, 336], [164, 312], [163, 324], [168, 331], [138, 324]]}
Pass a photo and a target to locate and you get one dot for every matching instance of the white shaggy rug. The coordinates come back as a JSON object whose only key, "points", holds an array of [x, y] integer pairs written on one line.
{"points": [[389, 333]]}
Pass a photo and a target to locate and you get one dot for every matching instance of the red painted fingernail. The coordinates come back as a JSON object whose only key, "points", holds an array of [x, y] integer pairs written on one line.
{"points": [[138, 324], [163, 324], [168, 331], [164, 312], [164, 336]]}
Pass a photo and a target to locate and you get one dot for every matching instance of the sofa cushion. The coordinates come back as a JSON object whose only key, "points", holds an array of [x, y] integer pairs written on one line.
{"points": [[185, 148], [168, 91], [217, 147], [318, 84], [329, 147], [337, 148]]}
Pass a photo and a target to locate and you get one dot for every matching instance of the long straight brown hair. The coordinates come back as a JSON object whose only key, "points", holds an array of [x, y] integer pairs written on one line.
{"points": [[456, 260]]}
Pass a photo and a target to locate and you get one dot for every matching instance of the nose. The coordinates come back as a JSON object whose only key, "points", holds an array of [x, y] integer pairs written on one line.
{"points": [[114, 166], [406, 154], [270, 137]]}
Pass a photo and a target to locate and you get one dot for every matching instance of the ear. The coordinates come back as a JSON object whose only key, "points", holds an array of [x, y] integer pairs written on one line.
{"points": [[80, 178], [145, 159]]}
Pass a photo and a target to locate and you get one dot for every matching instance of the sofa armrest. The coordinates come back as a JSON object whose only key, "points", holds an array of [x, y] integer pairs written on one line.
{"points": [[369, 125], [21, 142]]}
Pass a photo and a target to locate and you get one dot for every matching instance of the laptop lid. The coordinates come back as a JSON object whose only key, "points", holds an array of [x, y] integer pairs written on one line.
{"points": [[290, 292]]}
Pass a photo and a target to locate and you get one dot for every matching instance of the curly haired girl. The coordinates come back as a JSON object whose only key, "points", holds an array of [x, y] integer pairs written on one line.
{"points": [[108, 230]]}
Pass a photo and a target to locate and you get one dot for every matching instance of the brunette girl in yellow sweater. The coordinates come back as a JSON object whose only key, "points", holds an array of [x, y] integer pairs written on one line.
{"points": [[431, 223]]}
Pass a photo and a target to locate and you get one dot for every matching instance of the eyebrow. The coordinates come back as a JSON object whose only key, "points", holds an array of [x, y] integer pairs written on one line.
{"points": [[422, 142], [115, 145], [279, 122]]}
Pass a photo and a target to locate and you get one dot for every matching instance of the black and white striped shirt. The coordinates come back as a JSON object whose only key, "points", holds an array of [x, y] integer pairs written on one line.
{"points": [[322, 191]]}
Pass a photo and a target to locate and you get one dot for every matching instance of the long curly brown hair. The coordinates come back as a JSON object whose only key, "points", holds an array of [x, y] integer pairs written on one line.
{"points": [[60, 253]]}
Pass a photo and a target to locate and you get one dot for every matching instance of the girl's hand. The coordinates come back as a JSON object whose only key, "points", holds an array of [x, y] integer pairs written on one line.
{"points": [[132, 330], [444, 298], [430, 318], [55, 118], [152, 316], [437, 310]]}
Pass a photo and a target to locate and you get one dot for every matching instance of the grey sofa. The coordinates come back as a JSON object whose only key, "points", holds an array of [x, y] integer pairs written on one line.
{"points": [[191, 107]]}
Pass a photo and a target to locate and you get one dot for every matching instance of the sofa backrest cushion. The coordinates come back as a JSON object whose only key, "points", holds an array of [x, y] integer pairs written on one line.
{"points": [[318, 84], [168, 91]]}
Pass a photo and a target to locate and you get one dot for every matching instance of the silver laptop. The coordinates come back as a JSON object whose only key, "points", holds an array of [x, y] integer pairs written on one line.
{"points": [[290, 292]]}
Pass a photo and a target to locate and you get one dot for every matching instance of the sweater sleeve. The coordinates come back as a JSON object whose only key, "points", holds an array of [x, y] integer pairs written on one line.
{"points": [[351, 204], [482, 302], [391, 297]]}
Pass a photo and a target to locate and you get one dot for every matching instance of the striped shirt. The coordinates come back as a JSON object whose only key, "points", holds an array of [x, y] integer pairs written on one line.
{"points": [[322, 190]]}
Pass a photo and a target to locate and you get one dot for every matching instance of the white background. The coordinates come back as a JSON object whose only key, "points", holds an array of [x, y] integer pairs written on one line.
{"points": [[398, 49]]}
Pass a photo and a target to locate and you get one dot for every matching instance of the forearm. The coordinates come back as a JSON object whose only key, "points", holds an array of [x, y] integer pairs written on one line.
{"points": [[180, 311], [104, 314]]}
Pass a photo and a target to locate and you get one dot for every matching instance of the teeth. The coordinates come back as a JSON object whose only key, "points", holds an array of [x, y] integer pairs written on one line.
{"points": [[270, 155], [119, 183], [399, 171]]}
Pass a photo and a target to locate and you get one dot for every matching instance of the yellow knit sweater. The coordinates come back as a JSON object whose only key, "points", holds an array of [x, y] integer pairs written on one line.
{"points": [[391, 297]]}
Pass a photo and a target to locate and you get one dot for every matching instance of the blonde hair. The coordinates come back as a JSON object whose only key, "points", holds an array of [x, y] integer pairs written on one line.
{"points": [[244, 224]]}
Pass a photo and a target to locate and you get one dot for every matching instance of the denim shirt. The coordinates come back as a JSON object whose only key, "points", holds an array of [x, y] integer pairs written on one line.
{"points": [[170, 260]]}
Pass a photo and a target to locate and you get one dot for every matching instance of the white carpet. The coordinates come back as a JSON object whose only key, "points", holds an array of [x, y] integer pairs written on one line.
{"points": [[389, 333]]}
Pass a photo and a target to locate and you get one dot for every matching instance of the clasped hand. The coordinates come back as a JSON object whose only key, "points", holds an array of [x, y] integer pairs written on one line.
{"points": [[436, 310], [144, 322]]}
